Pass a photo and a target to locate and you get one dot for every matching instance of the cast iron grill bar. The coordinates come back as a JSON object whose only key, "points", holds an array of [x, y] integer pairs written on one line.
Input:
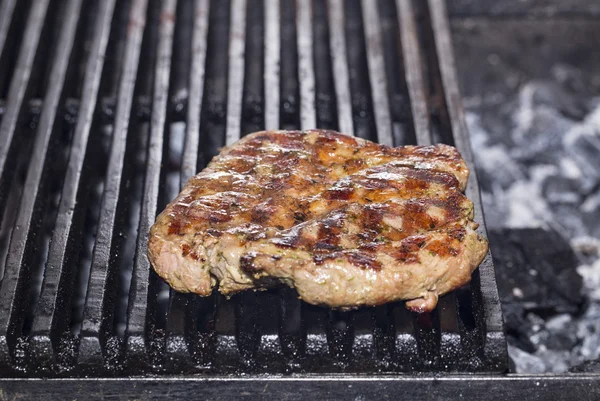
{"points": [[440, 329], [414, 71], [195, 307], [339, 326], [377, 77], [183, 308], [292, 328], [99, 304], [235, 81], [140, 308], [196, 89], [12, 17], [272, 60], [52, 315], [246, 309], [484, 286], [306, 71], [25, 235], [17, 94], [6, 16], [337, 40]]}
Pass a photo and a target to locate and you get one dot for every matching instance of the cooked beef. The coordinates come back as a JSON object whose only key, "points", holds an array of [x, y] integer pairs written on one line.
{"points": [[345, 221]]}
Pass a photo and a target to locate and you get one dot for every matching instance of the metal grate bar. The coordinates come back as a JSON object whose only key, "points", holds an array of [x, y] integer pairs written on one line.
{"points": [[6, 15], [97, 320], [377, 77], [246, 334], [235, 88], [196, 90], [22, 245], [191, 303], [17, 95], [140, 306], [340, 67], [181, 338], [306, 71], [51, 317], [484, 283], [272, 60], [414, 71], [291, 330]]}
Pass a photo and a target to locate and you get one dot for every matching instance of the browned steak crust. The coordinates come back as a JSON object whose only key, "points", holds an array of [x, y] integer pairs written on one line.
{"points": [[345, 221]]}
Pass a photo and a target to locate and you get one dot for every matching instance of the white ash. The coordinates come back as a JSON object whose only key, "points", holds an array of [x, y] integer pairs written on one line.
{"points": [[591, 279], [538, 160]]}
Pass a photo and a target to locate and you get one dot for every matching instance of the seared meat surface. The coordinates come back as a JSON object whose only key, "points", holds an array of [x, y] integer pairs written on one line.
{"points": [[345, 221]]}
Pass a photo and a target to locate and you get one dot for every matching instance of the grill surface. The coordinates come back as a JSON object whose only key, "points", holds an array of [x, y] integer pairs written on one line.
{"points": [[108, 107]]}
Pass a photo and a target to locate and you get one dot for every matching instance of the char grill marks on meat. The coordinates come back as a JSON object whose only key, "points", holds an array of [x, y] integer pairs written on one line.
{"points": [[345, 221]]}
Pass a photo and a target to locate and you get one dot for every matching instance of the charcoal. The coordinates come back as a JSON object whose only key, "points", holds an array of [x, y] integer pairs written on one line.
{"points": [[587, 249], [542, 136], [558, 189], [554, 361], [591, 277], [525, 362], [517, 326], [587, 367], [497, 166], [583, 146], [572, 78], [555, 96], [568, 219], [536, 268], [588, 330], [591, 213], [562, 332], [495, 209], [536, 331]]}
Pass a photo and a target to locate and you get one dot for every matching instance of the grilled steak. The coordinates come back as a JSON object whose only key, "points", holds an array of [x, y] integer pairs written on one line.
{"points": [[345, 221]]}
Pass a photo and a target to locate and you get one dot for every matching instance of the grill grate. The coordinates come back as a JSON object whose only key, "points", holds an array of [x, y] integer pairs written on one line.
{"points": [[113, 105]]}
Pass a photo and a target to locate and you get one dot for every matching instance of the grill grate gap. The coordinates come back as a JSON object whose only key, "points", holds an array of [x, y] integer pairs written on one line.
{"points": [[326, 102], [290, 91], [362, 105], [214, 105], [180, 305], [400, 106], [12, 24], [438, 114], [253, 103]]}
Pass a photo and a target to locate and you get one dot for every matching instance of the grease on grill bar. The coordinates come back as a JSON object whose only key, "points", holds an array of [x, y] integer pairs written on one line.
{"points": [[109, 107]]}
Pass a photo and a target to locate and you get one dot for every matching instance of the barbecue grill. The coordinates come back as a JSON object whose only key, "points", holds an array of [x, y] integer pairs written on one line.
{"points": [[108, 107]]}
